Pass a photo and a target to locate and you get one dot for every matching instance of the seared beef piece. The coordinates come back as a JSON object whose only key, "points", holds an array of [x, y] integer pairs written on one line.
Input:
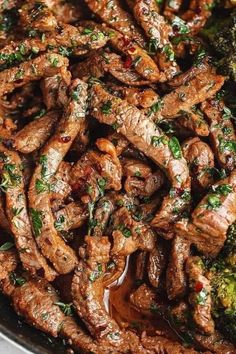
{"points": [[17, 215], [117, 18], [175, 274], [140, 265], [200, 159], [156, 263], [215, 343], [36, 133], [54, 90], [36, 15], [203, 86], [171, 8], [222, 132], [67, 35], [70, 217], [53, 247], [159, 345], [138, 97], [60, 187], [158, 31], [32, 70], [135, 167], [96, 171], [148, 138], [119, 141], [130, 235], [103, 210], [8, 263], [143, 298], [200, 295], [183, 78], [197, 14], [211, 219], [4, 224], [66, 12], [194, 121]]}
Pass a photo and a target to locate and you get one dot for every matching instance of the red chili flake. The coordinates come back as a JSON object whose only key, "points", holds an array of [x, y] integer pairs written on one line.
{"points": [[126, 41], [128, 62], [179, 191], [198, 286], [132, 50], [76, 186], [65, 139]]}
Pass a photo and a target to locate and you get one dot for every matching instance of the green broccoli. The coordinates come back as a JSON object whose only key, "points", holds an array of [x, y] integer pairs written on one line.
{"points": [[220, 33], [223, 275]]}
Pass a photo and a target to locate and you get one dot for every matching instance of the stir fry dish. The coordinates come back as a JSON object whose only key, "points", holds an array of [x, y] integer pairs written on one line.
{"points": [[118, 173]]}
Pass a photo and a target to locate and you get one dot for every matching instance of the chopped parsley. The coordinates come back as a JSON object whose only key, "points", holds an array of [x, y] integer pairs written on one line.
{"points": [[125, 231], [94, 275], [223, 189], [201, 297], [157, 140], [180, 25], [175, 147], [41, 186], [153, 45], [213, 201], [6, 246], [37, 223], [167, 49], [15, 280], [59, 223], [106, 107], [66, 308], [102, 185], [156, 107]]}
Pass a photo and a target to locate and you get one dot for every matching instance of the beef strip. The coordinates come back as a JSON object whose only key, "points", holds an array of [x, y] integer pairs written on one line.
{"points": [[158, 31], [117, 18], [193, 120], [60, 187], [148, 138], [42, 66], [200, 295], [200, 159], [210, 220], [53, 247], [140, 265], [35, 15], [222, 132], [104, 209], [139, 97], [54, 90], [156, 263], [130, 235], [204, 85], [71, 216], [143, 298], [36, 133], [73, 38], [17, 215], [175, 275], [4, 224], [215, 343]]}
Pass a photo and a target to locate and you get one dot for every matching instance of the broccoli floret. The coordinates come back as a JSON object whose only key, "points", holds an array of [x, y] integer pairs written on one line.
{"points": [[220, 33], [223, 275]]}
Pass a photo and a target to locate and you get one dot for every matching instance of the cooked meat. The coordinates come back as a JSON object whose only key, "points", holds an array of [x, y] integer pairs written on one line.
{"points": [[52, 154], [222, 132], [215, 343], [54, 90], [147, 137], [175, 275], [117, 18], [204, 85], [140, 265], [70, 217], [36, 133], [200, 295], [17, 215], [66, 12], [211, 219], [171, 8], [139, 97], [130, 235], [42, 66], [143, 298], [156, 263], [36, 15], [158, 31], [4, 224], [194, 121], [60, 187], [200, 159], [104, 209], [8, 263]]}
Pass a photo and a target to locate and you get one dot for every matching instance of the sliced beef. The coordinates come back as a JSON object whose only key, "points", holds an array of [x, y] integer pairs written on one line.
{"points": [[4, 224], [60, 187], [17, 215], [104, 209], [71, 216], [143, 298], [156, 263], [215, 343], [140, 265], [222, 132], [202, 86], [130, 235], [138, 97], [35, 69], [211, 219], [36, 133], [117, 18], [54, 90], [148, 138], [8, 263], [53, 247], [200, 159], [200, 295], [158, 31], [194, 121], [176, 284]]}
